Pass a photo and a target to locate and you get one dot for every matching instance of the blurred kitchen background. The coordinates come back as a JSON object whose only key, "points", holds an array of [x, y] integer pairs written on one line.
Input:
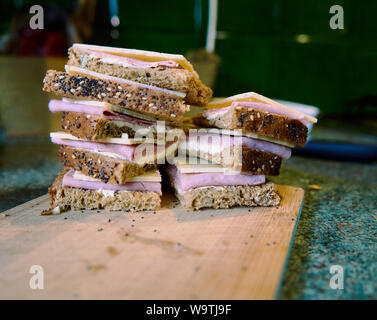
{"points": [[281, 49]]}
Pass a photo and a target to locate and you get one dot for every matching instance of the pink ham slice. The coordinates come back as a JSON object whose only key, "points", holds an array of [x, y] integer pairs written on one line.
{"points": [[135, 62], [291, 114], [186, 181], [126, 151], [229, 141], [102, 112], [70, 181]]}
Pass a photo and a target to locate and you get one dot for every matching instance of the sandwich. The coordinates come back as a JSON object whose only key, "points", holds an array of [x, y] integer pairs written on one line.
{"points": [[73, 190], [251, 132], [110, 162], [243, 139], [82, 84], [242, 153], [110, 144], [167, 71], [210, 185], [105, 144], [257, 117], [99, 121]]}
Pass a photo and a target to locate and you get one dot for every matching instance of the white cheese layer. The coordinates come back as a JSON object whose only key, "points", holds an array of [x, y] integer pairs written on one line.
{"points": [[196, 165], [150, 176], [123, 140], [251, 135]]}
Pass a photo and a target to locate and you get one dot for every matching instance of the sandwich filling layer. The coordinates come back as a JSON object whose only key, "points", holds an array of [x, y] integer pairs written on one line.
{"points": [[72, 180], [111, 107], [102, 112], [125, 152], [256, 136], [140, 153], [183, 182], [143, 55], [216, 143], [200, 165], [124, 139], [125, 61]]}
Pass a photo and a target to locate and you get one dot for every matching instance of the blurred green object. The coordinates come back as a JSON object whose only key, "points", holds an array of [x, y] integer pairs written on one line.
{"points": [[282, 49]]}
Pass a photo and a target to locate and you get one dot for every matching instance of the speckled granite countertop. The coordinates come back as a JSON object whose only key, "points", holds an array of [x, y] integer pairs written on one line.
{"points": [[338, 224]]}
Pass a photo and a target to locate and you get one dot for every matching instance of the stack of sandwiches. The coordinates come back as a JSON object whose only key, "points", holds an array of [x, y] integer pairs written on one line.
{"points": [[245, 138], [112, 103], [111, 100]]}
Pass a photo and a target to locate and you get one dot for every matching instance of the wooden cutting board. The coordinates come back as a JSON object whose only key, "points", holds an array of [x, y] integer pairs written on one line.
{"points": [[238, 253]]}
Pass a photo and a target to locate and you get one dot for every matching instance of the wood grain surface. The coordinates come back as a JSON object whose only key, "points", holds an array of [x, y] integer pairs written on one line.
{"points": [[237, 253]]}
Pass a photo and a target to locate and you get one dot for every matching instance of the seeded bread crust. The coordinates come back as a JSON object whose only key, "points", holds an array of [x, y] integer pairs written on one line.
{"points": [[90, 127], [150, 101], [252, 161], [230, 196], [173, 79], [262, 123], [66, 198], [104, 168]]}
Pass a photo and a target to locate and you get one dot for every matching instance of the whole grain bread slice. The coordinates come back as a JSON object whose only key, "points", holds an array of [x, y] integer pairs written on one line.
{"points": [[229, 196], [105, 168], [160, 104], [263, 124], [178, 79], [66, 198]]}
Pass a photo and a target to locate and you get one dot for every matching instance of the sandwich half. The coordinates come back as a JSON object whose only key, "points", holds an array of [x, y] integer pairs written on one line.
{"points": [[240, 153], [110, 162], [168, 71], [74, 191], [212, 186], [258, 117], [100, 121], [78, 83]]}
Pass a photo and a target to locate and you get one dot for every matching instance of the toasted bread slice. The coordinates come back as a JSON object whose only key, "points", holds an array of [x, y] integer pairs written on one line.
{"points": [[87, 85], [229, 196], [108, 61]]}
